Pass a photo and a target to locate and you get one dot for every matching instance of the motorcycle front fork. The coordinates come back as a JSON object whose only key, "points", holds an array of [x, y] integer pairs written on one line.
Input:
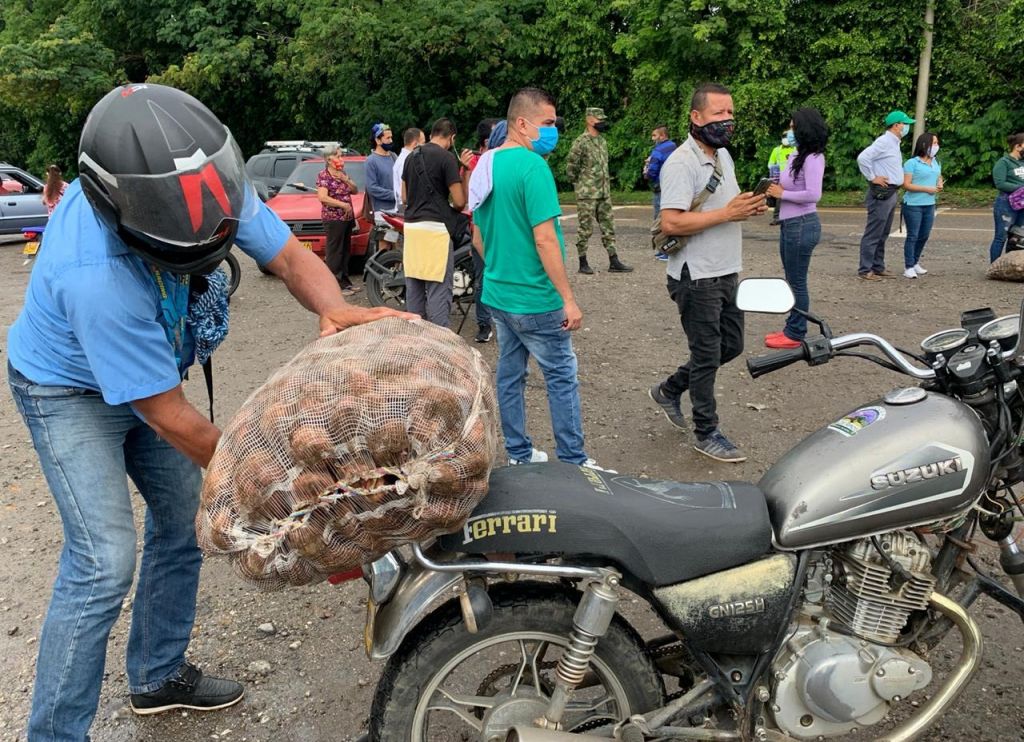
{"points": [[590, 622]]}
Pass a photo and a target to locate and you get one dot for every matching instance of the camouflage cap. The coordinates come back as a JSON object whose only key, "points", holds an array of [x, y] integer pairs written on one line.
{"points": [[597, 113]]}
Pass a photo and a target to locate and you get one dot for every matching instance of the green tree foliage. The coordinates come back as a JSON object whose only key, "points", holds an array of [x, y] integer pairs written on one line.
{"points": [[323, 69]]}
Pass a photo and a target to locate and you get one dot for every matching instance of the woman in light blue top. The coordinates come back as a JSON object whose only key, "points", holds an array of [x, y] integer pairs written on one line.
{"points": [[922, 179]]}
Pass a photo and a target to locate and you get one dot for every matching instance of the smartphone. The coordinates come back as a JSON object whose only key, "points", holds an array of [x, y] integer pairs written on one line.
{"points": [[762, 186]]}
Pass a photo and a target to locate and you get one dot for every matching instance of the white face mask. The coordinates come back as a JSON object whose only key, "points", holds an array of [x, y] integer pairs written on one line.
{"points": [[933, 150]]}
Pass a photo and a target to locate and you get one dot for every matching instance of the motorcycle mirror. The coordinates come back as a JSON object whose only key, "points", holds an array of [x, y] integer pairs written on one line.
{"points": [[768, 295]]}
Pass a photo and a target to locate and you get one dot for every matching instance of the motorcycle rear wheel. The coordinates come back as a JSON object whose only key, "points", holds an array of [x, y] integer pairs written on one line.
{"points": [[417, 701], [389, 292]]}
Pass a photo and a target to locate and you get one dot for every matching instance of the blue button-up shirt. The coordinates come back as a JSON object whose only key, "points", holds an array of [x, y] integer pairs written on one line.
{"points": [[92, 314], [882, 157]]}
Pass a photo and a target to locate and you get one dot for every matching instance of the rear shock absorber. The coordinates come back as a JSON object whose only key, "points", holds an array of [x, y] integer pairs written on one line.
{"points": [[590, 622]]}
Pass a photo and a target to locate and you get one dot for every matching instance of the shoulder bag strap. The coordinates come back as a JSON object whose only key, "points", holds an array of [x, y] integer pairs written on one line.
{"points": [[713, 182]]}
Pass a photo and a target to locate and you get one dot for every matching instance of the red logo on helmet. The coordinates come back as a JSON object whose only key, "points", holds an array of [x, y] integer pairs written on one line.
{"points": [[129, 89], [192, 186]]}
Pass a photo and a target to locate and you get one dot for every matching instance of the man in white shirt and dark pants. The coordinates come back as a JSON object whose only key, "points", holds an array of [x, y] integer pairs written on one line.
{"points": [[881, 164], [411, 139]]}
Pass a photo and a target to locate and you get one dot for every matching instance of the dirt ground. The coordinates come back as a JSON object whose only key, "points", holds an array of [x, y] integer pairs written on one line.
{"points": [[316, 683]]}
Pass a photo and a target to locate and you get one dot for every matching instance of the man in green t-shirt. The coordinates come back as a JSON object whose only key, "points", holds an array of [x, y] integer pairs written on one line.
{"points": [[525, 283]]}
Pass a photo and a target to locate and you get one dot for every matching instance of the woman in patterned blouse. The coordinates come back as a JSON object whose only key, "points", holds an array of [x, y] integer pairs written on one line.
{"points": [[334, 189]]}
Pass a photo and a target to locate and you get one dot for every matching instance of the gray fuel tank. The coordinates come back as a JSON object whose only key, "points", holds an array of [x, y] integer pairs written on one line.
{"points": [[882, 466]]}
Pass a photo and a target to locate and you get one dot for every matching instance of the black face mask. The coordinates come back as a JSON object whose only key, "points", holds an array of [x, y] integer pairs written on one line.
{"points": [[716, 134], [602, 126]]}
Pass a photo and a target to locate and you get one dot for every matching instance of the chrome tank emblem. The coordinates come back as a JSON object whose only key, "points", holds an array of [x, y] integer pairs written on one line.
{"points": [[906, 395]]}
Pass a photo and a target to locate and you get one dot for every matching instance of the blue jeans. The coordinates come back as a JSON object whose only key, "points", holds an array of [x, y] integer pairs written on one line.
{"points": [[919, 221], [657, 203], [87, 450], [798, 237], [542, 336], [1004, 218]]}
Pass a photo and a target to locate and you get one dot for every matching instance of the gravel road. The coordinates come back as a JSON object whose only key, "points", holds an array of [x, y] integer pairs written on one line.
{"points": [[300, 651]]}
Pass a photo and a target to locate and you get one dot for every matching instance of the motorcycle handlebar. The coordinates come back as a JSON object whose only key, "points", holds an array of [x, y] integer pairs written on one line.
{"points": [[765, 364], [761, 365]]}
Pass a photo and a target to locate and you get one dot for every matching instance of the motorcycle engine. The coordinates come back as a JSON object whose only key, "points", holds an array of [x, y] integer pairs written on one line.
{"points": [[839, 671], [461, 282]]}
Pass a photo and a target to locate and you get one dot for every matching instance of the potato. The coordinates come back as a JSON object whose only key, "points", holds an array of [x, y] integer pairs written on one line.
{"points": [[307, 540], [309, 487], [310, 445], [254, 473], [389, 444], [252, 566], [220, 524]]}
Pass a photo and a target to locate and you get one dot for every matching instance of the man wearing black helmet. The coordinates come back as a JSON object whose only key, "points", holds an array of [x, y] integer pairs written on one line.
{"points": [[118, 307]]}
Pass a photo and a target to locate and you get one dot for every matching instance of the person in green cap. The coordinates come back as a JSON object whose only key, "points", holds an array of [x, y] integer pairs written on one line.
{"points": [[881, 164], [587, 168], [776, 164]]}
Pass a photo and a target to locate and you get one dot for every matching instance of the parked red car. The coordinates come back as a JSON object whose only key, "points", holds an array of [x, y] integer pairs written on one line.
{"points": [[297, 204]]}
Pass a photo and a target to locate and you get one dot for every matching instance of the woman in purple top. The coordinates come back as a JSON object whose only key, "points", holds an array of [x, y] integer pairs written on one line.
{"points": [[334, 189], [799, 190]]}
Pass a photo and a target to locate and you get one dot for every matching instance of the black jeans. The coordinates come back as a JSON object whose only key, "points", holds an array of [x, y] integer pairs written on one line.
{"points": [[714, 331], [339, 240]]}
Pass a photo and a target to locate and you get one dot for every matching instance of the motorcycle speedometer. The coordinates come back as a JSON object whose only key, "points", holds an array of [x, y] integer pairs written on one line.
{"points": [[1004, 330], [945, 342]]}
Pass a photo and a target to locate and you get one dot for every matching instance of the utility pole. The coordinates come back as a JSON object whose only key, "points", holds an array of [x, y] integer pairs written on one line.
{"points": [[924, 68]]}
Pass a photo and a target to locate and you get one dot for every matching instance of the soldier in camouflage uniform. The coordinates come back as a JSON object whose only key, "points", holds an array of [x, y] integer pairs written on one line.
{"points": [[587, 167]]}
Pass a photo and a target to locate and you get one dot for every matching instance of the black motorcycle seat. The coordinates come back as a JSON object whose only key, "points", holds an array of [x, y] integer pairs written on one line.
{"points": [[659, 531]]}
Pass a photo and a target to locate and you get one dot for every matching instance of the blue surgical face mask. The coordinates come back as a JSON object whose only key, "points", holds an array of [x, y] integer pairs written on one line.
{"points": [[547, 139], [790, 138], [906, 130]]}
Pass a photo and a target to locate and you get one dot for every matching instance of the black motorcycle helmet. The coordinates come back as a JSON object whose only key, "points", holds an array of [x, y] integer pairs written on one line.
{"points": [[165, 174]]}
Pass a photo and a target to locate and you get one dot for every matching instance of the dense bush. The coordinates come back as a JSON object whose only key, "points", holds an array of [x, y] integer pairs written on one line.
{"points": [[320, 69]]}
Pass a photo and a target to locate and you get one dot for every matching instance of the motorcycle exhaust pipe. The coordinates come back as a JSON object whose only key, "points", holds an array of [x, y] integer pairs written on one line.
{"points": [[970, 658]]}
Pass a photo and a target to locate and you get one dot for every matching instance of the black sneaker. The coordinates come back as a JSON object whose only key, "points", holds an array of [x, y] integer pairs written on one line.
{"points": [[717, 446], [484, 334], [669, 406], [189, 690]]}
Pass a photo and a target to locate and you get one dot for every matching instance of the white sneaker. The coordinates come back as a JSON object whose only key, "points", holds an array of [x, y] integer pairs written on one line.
{"points": [[910, 273], [536, 457], [919, 270], [591, 464]]}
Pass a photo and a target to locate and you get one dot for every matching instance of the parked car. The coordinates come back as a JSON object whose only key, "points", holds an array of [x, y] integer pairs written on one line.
{"points": [[21, 200], [275, 163], [297, 204]]}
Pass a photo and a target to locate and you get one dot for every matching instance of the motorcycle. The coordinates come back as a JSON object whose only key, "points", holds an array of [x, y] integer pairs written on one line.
{"points": [[800, 608], [384, 278]]}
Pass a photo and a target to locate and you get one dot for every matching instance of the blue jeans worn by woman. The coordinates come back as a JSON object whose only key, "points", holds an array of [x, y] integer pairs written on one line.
{"points": [[1004, 218], [798, 237], [543, 337], [87, 450], [919, 221]]}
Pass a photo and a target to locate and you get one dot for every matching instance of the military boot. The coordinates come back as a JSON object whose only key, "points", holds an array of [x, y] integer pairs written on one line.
{"points": [[585, 266], [617, 266]]}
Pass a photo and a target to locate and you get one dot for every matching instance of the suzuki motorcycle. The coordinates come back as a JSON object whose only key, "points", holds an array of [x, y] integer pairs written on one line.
{"points": [[803, 607]]}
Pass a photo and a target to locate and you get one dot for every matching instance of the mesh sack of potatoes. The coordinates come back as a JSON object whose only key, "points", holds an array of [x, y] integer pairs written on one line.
{"points": [[380, 435], [1008, 267]]}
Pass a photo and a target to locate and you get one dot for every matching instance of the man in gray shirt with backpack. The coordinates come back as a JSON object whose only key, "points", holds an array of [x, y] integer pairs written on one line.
{"points": [[701, 204]]}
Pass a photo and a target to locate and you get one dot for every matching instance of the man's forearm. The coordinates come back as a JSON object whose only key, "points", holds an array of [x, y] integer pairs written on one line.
{"points": [[179, 423], [686, 223], [551, 258], [307, 278]]}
